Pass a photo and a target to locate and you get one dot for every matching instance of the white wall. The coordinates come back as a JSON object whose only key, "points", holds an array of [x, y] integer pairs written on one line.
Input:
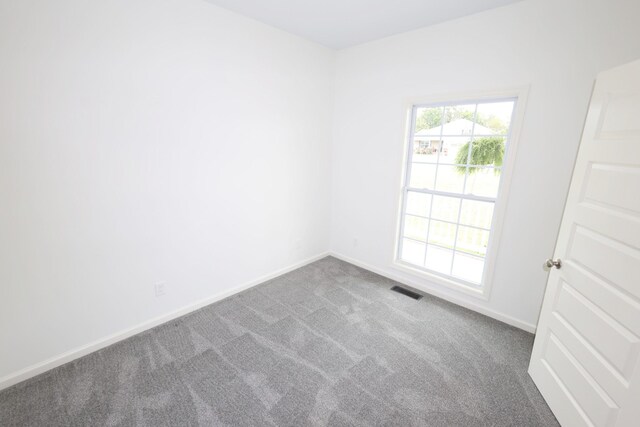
{"points": [[554, 47], [145, 141]]}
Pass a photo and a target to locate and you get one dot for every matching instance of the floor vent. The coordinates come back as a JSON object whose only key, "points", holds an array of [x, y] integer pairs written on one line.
{"points": [[406, 292]]}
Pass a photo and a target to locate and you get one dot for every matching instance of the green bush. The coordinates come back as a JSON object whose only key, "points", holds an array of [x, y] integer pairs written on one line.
{"points": [[485, 151]]}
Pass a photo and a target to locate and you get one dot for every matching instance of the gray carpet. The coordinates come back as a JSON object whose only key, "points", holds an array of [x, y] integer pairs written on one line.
{"points": [[327, 344]]}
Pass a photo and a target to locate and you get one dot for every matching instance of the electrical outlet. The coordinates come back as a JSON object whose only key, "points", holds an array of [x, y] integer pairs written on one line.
{"points": [[160, 288], [355, 242]]}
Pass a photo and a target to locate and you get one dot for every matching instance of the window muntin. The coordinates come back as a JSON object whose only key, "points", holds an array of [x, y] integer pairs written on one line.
{"points": [[451, 187]]}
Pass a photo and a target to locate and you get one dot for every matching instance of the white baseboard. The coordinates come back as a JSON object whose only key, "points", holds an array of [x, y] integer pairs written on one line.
{"points": [[445, 296], [76, 353]]}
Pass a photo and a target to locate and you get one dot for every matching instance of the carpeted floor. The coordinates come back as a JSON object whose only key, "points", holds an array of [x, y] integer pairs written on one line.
{"points": [[327, 344]]}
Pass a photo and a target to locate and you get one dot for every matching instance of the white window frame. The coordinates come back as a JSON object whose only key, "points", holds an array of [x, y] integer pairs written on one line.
{"points": [[482, 291]]}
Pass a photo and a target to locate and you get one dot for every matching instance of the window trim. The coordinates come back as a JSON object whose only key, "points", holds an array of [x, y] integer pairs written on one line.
{"points": [[484, 290]]}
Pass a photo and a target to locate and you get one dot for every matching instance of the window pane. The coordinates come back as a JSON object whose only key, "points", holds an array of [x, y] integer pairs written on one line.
{"points": [[472, 241], [450, 179], [418, 203], [425, 149], [445, 208], [442, 233], [483, 182], [412, 252], [468, 268], [459, 120], [488, 151], [428, 121], [439, 259], [422, 176], [454, 150], [496, 116], [415, 228], [478, 214]]}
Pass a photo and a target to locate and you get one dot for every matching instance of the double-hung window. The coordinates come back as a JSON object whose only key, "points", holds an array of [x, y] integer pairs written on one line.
{"points": [[453, 173]]}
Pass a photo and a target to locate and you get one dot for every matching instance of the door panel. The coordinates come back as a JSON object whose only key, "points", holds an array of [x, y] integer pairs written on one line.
{"points": [[586, 355], [606, 257], [619, 117], [616, 343], [617, 304], [592, 361], [618, 225], [603, 177], [597, 405]]}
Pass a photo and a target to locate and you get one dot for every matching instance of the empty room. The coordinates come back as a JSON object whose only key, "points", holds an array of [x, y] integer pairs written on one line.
{"points": [[320, 213]]}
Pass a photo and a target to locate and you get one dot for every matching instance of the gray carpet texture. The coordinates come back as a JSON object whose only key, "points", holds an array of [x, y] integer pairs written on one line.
{"points": [[328, 344]]}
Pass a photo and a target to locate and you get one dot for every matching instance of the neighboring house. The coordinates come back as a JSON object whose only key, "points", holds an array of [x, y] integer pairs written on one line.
{"points": [[448, 138]]}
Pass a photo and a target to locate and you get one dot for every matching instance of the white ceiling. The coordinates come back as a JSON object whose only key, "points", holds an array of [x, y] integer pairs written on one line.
{"points": [[343, 23]]}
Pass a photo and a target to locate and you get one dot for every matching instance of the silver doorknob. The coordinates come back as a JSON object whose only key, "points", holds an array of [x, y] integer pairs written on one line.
{"points": [[550, 263]]}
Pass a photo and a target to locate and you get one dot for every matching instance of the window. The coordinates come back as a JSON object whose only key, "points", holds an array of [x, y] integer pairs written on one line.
{"points": [[451, 187]]}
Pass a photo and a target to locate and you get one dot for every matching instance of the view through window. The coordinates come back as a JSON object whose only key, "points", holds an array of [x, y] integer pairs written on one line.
{"points": [[455, 162]]}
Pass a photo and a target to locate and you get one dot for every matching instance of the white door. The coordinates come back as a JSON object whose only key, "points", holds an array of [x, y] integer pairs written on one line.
{"points": [[586, 356]]}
